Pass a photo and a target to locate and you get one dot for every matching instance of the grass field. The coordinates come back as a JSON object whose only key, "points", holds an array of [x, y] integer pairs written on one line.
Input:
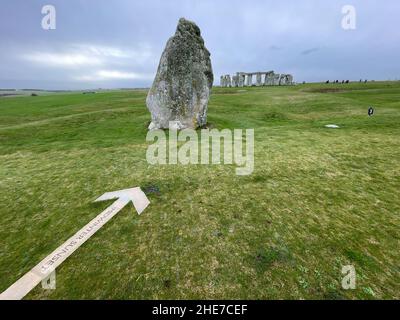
{"points": [[318, 198]]}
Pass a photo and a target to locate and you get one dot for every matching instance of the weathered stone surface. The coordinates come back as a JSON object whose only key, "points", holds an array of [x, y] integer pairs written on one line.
{"points": [[249, 79], [228, 80], [269, 78], [281, 79], [258, 79], [222, 81], [183, 82], [289, 79], [286, 79], [241, 77], [275, 80], [235, 81]]}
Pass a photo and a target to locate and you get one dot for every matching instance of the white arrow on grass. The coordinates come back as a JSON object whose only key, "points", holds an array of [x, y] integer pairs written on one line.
{"points": [[47, 266]]}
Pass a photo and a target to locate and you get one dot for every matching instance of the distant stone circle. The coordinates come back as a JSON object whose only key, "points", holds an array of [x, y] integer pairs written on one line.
{"points": [[244, 79]]}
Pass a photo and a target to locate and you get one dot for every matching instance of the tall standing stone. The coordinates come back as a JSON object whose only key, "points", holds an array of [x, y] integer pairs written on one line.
{"points": [[249, 79], [183, 82], [242, 78], [235, 81], [222, 81], [228, 81], [276, 78], [269, 78], [258, 79]]}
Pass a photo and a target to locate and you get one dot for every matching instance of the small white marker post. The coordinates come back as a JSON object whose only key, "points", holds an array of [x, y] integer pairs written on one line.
{"points": [[48, 265]]}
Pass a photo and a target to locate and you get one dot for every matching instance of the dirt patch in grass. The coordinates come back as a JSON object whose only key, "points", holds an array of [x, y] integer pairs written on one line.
{"points": [[228, 91], [274, 115], [333, 294], [152, 189], [265, 259]]}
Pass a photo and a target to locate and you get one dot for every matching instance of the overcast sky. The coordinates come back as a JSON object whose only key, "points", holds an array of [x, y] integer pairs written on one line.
{"points": [[118, 43]]}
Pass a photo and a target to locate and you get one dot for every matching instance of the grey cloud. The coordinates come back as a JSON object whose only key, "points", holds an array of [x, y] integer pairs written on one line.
{"points": [[308, 51], [275, 48]]}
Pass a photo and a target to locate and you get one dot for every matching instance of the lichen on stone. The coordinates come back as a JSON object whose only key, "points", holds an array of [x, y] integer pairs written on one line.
{"points": [[182, 86]]}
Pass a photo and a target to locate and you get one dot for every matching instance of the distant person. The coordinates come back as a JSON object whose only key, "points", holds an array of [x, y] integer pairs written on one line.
{"points": [[365, 81], [327, 81], [370, 111]]}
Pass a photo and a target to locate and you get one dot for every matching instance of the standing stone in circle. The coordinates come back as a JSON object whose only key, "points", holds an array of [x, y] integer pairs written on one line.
{"points": [[269, 78], [258, 79], [228, 81], [235, 81], [222, 81], [286, 79], [276, 79], [282, 80], [241, 77], [249, 79], [183, 82]]}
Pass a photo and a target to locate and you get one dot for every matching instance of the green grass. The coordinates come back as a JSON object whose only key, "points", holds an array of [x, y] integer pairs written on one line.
{"points": [[317, 200]]}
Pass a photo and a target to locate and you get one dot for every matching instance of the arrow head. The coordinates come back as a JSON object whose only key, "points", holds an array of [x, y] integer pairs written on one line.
{"points": [[136, 195]]}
